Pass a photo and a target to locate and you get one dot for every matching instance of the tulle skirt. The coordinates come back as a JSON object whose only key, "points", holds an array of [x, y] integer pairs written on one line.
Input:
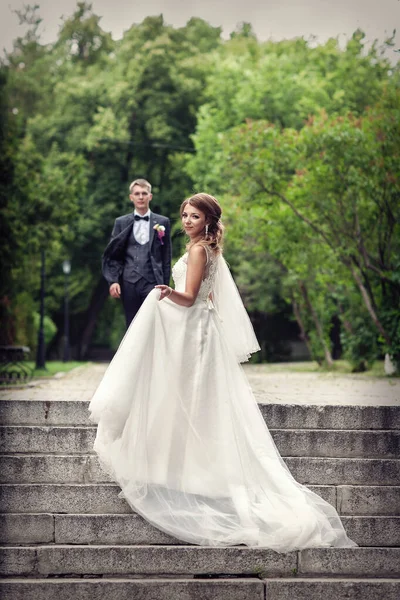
{"points": [[180, 431]]}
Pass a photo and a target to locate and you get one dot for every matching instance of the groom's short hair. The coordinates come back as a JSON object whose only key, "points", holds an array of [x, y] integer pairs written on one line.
{"points": [[142, 182]]}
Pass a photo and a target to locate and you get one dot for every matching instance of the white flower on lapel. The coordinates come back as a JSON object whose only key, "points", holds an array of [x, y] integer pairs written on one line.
{"points": [[160, 231]]}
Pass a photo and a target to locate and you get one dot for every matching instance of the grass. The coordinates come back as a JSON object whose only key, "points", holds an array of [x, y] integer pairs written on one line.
{"points": [[52, 367], [340, 367], [55, 366]]}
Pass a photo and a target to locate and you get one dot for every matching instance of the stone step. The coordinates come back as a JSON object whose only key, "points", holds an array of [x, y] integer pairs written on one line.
{"points": [[344, 471], [337, 443], [181, 561], [277, 416], [46, 439], [136, 589], [295, 588], [103, 498], [200, 589], [85, 468], [60, 498], [126, 529], [82, 498], [373, 531], [290, 442], [52, 468]]}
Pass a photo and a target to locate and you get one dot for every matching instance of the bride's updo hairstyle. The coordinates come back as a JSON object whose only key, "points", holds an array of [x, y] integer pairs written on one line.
{"points": [[212, 210]]}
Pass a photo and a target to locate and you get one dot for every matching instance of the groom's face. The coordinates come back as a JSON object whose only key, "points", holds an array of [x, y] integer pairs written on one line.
{"points": [[140, 197]]}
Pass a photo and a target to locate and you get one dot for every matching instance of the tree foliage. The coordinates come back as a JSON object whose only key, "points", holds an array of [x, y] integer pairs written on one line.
{"points": [[300, 141], [329, 196], [83, 117]]}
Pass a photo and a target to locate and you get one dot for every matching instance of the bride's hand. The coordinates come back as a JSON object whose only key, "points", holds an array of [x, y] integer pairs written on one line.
{"points": [[165, 290]]}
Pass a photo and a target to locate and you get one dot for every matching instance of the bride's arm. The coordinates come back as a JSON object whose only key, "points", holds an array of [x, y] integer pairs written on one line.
{"points": [[195, 270]]}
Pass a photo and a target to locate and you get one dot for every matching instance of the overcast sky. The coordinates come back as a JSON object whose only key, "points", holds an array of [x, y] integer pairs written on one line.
{"points": [[274, 19]]}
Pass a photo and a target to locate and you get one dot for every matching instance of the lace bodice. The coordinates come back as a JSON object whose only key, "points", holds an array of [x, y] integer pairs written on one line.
{"points": [[179, 275]]}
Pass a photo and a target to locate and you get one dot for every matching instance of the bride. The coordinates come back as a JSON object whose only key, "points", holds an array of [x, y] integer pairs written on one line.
{"points": [[178, 426]]}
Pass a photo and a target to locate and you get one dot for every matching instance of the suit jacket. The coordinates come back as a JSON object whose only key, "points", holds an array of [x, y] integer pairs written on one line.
{"points": [[113, 260]]}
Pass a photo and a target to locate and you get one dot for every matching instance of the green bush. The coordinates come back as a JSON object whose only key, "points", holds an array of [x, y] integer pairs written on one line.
{"points": [[361, 347], [391, 321], [49, 327], [110, 326]]}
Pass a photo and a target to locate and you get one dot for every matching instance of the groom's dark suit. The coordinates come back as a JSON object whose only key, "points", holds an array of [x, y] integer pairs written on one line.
{"points": [[137, 267]]}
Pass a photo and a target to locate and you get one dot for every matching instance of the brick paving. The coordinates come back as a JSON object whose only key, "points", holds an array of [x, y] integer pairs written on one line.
{"points": [[268, 386]]}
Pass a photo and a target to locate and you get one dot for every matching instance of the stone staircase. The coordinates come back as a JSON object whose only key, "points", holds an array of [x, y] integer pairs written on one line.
{"points": [[66, 534]]}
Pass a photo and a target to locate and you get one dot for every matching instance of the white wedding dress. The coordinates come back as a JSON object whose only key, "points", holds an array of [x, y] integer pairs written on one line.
{"points": [[180, 430]]}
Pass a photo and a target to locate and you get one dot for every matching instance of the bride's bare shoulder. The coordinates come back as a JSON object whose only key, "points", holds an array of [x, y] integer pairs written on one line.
{"points": [[198, 251]]}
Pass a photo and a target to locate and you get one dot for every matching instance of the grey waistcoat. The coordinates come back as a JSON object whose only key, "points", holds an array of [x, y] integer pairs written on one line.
{"points": [[137, 262]]}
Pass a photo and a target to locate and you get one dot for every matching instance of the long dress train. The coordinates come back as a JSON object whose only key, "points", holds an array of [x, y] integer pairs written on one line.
{"points": [[180, 431]]}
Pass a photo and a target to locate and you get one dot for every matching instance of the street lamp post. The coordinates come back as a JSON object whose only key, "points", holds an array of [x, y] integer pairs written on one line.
{"points": [[67, 270], [41, 351]]}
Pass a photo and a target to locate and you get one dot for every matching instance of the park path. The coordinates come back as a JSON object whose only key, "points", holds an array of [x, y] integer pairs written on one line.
{"points": [[269, 386]]}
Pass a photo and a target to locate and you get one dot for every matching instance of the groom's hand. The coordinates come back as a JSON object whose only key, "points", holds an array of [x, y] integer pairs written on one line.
{"points": [[115, 290]]}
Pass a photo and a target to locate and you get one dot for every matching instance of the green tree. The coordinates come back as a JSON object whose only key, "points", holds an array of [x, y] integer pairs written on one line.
{"points": [[83, 116], [334, 176], [93, 114], [83, 38], [282, 83]]}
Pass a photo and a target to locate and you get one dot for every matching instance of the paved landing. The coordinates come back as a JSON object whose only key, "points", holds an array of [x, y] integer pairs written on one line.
{"points": [[322, 388], [269, 387]]}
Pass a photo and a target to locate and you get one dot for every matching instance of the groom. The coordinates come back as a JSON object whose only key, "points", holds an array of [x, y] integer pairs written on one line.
{"points": [[138, 256]]}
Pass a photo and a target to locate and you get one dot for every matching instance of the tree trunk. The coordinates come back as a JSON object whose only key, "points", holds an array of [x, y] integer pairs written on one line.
{"points": [[318, 326], [303, 332], [369, 306], [346, 323], [97, 301]]}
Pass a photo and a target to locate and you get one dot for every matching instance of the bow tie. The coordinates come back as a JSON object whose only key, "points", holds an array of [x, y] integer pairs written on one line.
{"points": [[138, 218]]}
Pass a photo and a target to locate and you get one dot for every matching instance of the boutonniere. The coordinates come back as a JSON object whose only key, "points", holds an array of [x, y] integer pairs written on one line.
{"points": [[160, 231]]}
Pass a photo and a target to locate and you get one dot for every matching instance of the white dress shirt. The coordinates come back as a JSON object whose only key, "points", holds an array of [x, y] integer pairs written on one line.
{"points": [[141, 229]]}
